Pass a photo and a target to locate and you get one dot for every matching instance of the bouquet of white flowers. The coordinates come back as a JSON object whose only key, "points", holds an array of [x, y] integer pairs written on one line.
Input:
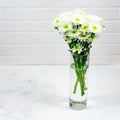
{"points": [[79, 29]]}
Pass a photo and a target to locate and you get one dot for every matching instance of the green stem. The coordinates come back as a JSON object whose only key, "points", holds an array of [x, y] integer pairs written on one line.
{"points": [[81, 83], [80, 73], [84, 73], [75, 87], [82, 90]]}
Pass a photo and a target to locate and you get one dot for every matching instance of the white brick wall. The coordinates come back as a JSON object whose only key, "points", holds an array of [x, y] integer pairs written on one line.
{"points": [[26, 36]]}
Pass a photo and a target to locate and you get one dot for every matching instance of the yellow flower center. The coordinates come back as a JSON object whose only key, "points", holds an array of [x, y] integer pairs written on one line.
{"points": [[95, 27], [77, 19], [57, 21]]}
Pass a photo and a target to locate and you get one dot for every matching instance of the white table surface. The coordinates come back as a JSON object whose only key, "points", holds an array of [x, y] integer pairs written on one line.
{"points": [[41, 93]]}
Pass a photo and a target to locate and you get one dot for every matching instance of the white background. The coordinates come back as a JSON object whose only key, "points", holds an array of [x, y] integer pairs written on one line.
{"points": [[40, 92], [26, 36]]}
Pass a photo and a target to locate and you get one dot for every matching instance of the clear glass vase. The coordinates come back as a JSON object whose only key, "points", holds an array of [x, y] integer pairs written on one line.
{"points": [[78, 82]]}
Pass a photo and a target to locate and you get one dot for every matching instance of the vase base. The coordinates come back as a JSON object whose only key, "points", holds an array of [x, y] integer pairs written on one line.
{"points": [[77, 105]]}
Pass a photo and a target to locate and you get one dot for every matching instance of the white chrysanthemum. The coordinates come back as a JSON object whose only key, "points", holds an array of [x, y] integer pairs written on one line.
{"points": [[95, 28], [65, 27], [84, 28], [73, 33], [66, 16], [77, 48], [78, 19], [57, 22], [93, 18], [79, 12], [83, 36]]}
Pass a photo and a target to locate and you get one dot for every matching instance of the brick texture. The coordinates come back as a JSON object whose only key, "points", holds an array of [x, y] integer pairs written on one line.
{"points": [[27, 37]]}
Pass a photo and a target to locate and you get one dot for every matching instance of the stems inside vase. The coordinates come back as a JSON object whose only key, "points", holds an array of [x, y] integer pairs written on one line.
{"points": [[80, 66]]}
